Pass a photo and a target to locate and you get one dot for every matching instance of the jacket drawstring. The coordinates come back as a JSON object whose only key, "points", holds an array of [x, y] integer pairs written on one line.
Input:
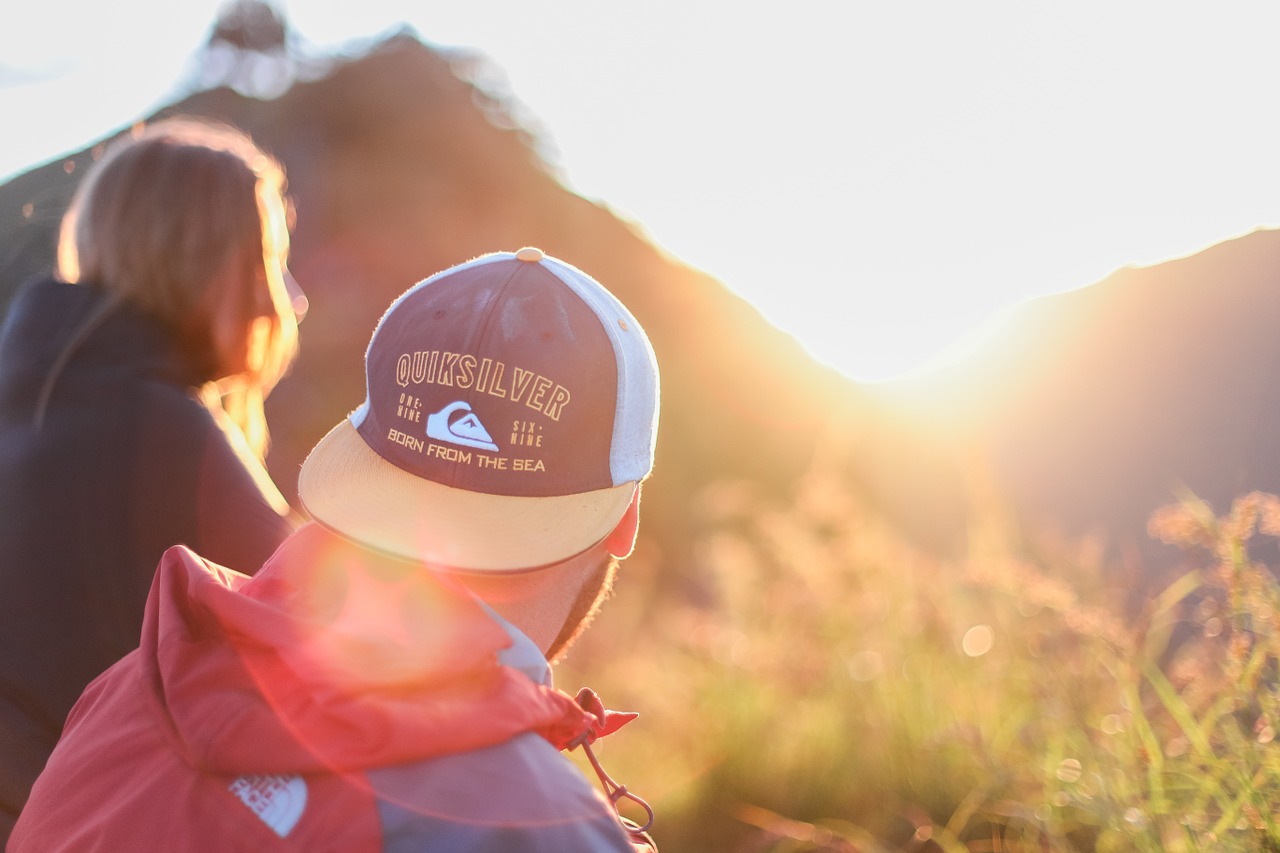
{"points": [[607, 722]]}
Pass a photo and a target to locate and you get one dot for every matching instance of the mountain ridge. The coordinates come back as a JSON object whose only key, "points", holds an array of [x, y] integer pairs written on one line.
{"points": [[400, 167], [398, 171]]}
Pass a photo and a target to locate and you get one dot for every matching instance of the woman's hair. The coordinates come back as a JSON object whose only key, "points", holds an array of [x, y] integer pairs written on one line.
{"points": [[187, 221]]}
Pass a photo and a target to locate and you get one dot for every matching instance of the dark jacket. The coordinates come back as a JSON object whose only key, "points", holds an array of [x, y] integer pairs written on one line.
{"points": [[336, 701], [103, 467]]}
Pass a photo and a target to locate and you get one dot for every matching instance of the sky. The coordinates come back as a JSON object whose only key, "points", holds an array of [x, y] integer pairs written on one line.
{"points": [[882, 180]]}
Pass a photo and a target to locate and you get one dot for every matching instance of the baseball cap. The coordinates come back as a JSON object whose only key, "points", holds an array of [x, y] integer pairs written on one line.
{"points": [[511, 410]]}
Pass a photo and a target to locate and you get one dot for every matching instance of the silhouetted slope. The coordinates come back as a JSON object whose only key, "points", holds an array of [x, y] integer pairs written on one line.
{"points": [[1095, 407], [31, 206], [399, 170], [1087, 412]]}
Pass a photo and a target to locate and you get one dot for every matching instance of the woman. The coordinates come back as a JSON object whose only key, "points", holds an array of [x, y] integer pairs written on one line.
{"points": [[131, 412]]}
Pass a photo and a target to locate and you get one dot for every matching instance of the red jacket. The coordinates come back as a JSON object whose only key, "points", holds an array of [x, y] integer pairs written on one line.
{"points": [[336, 701]]}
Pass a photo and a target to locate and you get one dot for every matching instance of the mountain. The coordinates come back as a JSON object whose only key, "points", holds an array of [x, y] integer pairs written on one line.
{"points": [[1094, 407], [1081, 418], [399, 168]]}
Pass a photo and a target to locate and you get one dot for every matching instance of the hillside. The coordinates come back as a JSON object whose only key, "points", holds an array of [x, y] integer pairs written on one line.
{"points": [[1088, 411], [399, 168], [1094, 407]]}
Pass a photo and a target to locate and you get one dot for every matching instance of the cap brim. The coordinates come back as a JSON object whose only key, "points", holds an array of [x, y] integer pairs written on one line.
{"points": [[348, 487]]}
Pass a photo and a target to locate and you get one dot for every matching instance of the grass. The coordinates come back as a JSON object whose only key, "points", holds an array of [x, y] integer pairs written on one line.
{"points": [[823, 685]]}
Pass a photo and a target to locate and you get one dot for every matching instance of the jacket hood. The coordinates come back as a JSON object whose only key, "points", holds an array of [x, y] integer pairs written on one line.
{"points": [[55, 332], [332, 658]]}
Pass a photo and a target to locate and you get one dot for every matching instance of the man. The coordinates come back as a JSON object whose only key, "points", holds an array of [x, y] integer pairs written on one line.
{"points": [[382, 682]]}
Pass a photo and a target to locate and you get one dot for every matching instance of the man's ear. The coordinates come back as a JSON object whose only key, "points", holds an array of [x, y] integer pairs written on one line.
{"points": [[623, 538]]}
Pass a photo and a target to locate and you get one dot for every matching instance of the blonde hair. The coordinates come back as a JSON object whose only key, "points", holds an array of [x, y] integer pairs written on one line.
{"points": [[157, 222]]}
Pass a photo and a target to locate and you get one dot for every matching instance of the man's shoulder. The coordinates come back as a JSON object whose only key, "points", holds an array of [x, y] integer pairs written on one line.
{"points": [[520, 793]]}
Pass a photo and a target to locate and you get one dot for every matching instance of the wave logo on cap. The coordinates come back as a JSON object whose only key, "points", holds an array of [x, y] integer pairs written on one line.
{"points": [[465, 430]]}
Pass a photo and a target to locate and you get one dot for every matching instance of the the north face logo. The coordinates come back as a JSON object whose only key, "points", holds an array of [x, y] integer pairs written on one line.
{"points": [[278, 801], [465, 430]]}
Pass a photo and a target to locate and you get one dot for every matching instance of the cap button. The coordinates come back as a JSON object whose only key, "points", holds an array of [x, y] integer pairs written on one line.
{"points": [[530, 254]]}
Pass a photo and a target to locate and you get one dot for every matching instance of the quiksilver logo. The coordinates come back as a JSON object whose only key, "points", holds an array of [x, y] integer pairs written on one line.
{"points": [[278, 801], [457, 424]]}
